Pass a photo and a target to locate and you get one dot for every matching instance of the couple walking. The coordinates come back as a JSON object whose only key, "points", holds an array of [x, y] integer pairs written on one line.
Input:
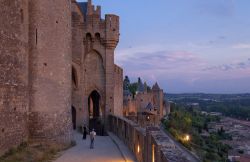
{"points": [[92, 135]]}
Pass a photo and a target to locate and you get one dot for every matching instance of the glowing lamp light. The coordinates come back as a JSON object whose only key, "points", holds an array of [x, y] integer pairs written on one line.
{"points": [[187, 138], [138, 149], [153, 153]]}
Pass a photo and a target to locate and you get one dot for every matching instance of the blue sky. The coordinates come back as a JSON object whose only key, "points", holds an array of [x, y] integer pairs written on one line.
{"points": [[185, 45]]}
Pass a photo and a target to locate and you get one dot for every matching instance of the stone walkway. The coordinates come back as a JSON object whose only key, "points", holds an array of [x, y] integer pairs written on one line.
{"points": [[105, 151]]}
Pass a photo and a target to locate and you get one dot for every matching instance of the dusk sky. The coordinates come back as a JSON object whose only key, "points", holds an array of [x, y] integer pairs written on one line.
{"points": [[185, 45]]}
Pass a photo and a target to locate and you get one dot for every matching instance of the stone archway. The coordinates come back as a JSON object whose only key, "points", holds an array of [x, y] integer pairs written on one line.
{"points": [[73, 112], [95, 113]]}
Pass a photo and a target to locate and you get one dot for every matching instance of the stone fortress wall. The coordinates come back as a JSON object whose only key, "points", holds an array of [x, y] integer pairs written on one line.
{"points": [[118, 94], [148, 144], [14, 78], [56, 65]]}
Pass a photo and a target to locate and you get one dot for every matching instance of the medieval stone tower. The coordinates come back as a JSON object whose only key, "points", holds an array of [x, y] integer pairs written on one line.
{"points": [[50, 68], [158, 98], [57, 70], [97, 80]]}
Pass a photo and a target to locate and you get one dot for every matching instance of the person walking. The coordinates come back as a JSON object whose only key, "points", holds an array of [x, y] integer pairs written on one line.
{"points": [[84, 132], [92, 138]]}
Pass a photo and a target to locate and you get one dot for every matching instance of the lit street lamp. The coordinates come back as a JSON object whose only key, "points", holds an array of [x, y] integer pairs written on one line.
{"points": [[187, 138]]}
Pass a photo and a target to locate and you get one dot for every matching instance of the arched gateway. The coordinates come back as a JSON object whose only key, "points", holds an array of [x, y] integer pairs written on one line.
{"points": [[95, 113]]}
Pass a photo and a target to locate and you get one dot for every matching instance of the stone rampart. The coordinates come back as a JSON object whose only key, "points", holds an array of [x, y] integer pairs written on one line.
{"points": [[148, 145]]}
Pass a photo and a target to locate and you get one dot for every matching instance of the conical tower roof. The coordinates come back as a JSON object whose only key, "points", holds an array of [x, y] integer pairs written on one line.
{"points": [[140, 87], [156, 87]]}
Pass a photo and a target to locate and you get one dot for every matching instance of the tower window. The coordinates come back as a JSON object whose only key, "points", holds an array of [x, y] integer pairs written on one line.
{"points": [[74, 77], [22, 17], [98, 36], [36, 36]]}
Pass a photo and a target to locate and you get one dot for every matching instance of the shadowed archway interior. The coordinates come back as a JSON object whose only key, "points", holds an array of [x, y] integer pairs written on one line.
{"points": [[95, 117]]}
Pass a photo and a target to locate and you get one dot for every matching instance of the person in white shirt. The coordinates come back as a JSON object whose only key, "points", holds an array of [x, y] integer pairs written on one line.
{"points": [[92, 138]]}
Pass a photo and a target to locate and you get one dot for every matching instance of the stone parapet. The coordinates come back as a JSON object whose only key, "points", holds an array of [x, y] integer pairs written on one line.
{"points": [[148, 145]]}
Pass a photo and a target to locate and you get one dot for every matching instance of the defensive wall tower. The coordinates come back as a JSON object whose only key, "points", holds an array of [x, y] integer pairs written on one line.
{"points": [[50, 69], [158, 98], [100, 38]]}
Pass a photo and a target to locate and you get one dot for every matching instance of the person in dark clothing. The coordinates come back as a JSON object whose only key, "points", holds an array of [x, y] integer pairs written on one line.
{"points": [[84, 132]]}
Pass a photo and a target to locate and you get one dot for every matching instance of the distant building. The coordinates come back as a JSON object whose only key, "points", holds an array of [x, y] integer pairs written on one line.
{"points": [[204, 113], [148, 105], [215, 114], [193, 105], [234, 156]]}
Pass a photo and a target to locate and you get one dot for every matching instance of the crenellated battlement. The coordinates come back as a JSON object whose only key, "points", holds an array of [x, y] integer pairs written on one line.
{"points": [[112, 30], [92, 10], [93, 24], [118, 70]]}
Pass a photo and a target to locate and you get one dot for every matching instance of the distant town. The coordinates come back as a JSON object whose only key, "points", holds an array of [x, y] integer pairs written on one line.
{"points": [[223, 119]]}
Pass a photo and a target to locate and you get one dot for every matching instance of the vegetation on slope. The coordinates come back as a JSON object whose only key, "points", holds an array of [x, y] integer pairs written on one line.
{"points": [[34, 152], [232, 105], [182, 122]]}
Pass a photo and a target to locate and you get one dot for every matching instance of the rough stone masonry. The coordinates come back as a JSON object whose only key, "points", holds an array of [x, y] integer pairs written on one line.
{"points": [[57, 70]]}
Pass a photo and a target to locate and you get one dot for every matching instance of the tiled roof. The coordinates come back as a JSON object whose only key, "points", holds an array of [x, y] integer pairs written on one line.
{"points": [[149, 106]]}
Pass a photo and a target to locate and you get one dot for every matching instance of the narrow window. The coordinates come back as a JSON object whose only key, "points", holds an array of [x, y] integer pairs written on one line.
{"points": [[110, 20], [98, 36], [36, 36], [74, 77], [22, 18]]}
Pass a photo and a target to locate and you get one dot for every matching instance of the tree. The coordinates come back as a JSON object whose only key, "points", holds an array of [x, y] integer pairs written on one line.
{"points": [[133, 88]]}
